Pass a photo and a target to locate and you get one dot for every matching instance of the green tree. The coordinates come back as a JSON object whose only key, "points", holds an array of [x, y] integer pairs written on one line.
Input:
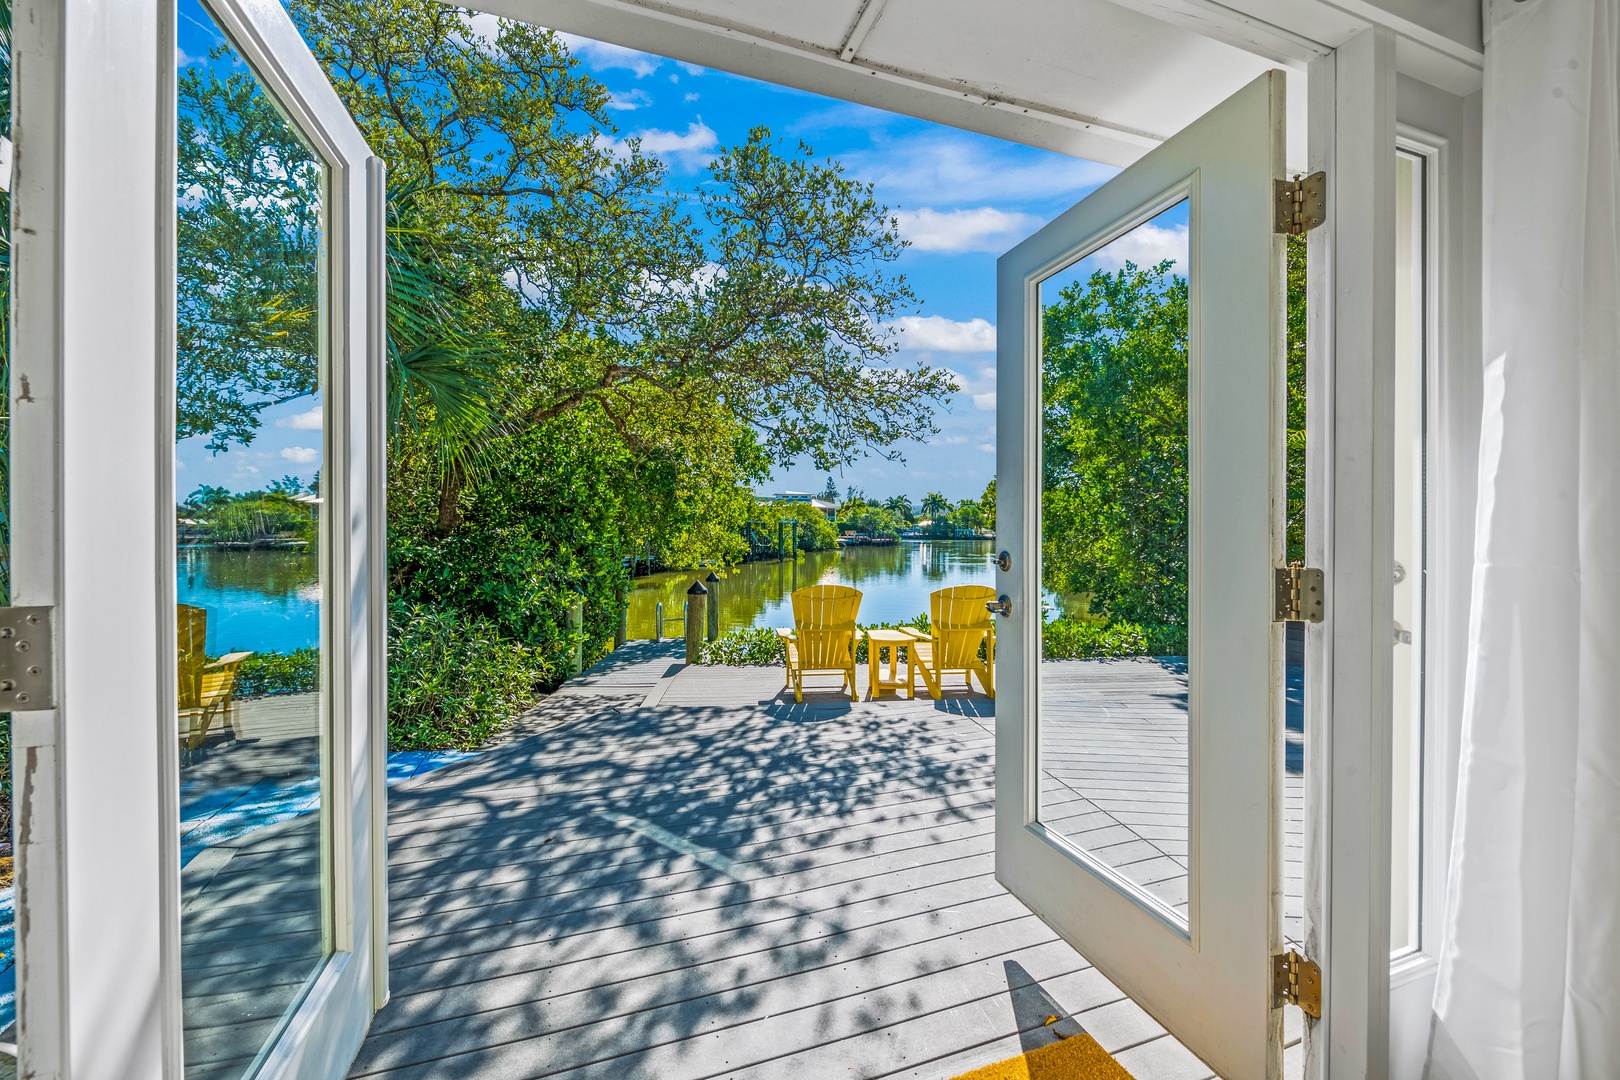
{"points": [[1114, 448], [764, 298], [900, 507], [967, 514], [248, 243], [935, 506], [987, 503], [1296, 398]]}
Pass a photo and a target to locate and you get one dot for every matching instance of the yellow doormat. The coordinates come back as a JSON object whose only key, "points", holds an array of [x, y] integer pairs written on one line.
{"points": [[1079, 1057]]}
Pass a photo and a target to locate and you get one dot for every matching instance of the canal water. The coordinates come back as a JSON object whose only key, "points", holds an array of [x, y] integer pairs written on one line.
{"points": [[256, 600], [270, 600], [894, 581]]}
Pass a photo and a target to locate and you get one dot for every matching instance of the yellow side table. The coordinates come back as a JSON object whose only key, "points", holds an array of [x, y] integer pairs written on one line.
{"points": [[893, 641]]}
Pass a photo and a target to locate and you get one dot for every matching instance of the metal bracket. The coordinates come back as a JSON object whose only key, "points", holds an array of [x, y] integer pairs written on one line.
{"points": [[26, 663], [1001, 605], [1299, 594], [1301, 203], [1004, 561], [1297, 981]]}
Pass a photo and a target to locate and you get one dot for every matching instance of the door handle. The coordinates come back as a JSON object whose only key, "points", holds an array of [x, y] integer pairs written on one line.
{"points": [[1001, 605]]}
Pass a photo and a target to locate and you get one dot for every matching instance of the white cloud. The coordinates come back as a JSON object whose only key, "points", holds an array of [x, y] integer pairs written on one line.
{"points": [[692, 97], [954, 168], [982, 228], [690, 149], [1145, 245], [690, 69], [935, 333], [951, 440], [180, 57], [482, 25], [304, 421], [300, 455], [601, 55], [627, 100], [985, 402], [697, 137], [988, 448]]}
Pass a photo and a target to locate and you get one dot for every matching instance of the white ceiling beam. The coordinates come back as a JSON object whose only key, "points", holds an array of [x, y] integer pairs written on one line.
{"points": [[864, 21], [1293, 32], [655, 27]]}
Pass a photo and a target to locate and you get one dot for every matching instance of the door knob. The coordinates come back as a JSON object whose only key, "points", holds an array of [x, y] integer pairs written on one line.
{"points": [[1001, 605]]}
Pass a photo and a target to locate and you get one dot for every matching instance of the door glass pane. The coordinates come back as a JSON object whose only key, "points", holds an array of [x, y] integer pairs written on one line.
{"points": [[1113, 708], [8, 909], [249, 446], [1406, 760]]}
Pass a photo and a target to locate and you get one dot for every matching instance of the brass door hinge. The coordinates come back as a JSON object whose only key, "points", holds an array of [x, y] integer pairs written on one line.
{"points": [[1298, 594], [1297, 981], [1301, 203]]}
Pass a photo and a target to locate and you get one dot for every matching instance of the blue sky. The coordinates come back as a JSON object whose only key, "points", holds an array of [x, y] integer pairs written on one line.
{"points": [[960, 199]]}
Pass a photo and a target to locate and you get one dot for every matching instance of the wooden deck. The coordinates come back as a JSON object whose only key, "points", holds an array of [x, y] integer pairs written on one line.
{"points": [[679, 873]]}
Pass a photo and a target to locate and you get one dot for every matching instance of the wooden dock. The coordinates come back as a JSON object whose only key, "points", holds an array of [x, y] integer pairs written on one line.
{"points": [[678, 873]]}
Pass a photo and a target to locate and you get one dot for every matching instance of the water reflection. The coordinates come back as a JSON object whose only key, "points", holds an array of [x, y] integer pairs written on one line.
{"points": [[257, 599], [249, 678], [896, 581]]}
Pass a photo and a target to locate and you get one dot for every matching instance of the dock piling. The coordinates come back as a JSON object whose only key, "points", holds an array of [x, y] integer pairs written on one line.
{"points": [[712, 582], [697, 605]]}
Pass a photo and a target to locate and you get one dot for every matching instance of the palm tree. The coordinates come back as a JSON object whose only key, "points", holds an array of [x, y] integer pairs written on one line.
{"points": [[935, 506], [441, 379], [900, 507]]}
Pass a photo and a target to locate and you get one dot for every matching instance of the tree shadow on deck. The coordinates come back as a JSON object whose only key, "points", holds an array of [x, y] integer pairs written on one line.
{"points": [[639, 879]]}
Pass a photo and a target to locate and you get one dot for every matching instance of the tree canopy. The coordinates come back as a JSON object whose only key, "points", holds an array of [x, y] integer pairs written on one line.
{"points": [[1114, 447]]}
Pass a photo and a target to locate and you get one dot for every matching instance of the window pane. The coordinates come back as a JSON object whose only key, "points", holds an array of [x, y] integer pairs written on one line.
{"points": [[1114, 678], [249, 447], [1410, 570]]}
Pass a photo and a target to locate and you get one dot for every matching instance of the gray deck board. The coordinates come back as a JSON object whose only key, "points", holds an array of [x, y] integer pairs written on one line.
{"points": [[679, 872]]}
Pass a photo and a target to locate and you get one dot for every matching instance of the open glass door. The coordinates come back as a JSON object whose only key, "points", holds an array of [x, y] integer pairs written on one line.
{"points": [[1138, 757], [276, 216], [198, 258]]}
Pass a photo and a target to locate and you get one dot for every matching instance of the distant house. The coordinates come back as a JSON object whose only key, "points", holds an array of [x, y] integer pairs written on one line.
{"points": [[826, 506]]}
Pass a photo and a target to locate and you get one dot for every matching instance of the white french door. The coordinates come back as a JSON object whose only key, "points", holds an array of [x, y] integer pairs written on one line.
{"points": [[1140, 463], [198, 369]]}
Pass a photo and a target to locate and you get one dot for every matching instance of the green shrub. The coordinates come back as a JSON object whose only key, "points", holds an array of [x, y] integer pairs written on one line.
{"points": [[296, 672], [1075, 639], [757, 646], [453, 679]]}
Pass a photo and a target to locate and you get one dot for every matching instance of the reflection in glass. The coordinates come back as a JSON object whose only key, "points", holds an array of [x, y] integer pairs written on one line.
{"points": [[8, 925], [1114, 732], [249, 448], [1406, 758]]}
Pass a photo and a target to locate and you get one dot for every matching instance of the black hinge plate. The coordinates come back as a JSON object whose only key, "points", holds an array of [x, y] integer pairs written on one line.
{"points": [[1301, 203], [1298, 981]]}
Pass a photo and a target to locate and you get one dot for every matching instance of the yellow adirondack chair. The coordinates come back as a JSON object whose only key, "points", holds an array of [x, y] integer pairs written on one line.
{"points": [[191, 628], [960, 623], [822, 641], [216, 689]]}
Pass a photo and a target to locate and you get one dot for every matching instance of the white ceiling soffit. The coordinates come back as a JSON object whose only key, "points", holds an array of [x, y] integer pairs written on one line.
{"points": [[1098, 79]]}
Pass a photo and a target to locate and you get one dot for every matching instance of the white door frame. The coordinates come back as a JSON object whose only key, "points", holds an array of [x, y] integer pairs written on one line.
{"points": [[1348, 659], [93, 537]]}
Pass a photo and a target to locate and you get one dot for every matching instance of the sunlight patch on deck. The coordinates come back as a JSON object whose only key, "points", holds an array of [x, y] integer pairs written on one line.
{"points": [[662, 836]]}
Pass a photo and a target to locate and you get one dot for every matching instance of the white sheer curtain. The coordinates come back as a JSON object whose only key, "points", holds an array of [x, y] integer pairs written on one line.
{"points": [[1529, 984]]}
